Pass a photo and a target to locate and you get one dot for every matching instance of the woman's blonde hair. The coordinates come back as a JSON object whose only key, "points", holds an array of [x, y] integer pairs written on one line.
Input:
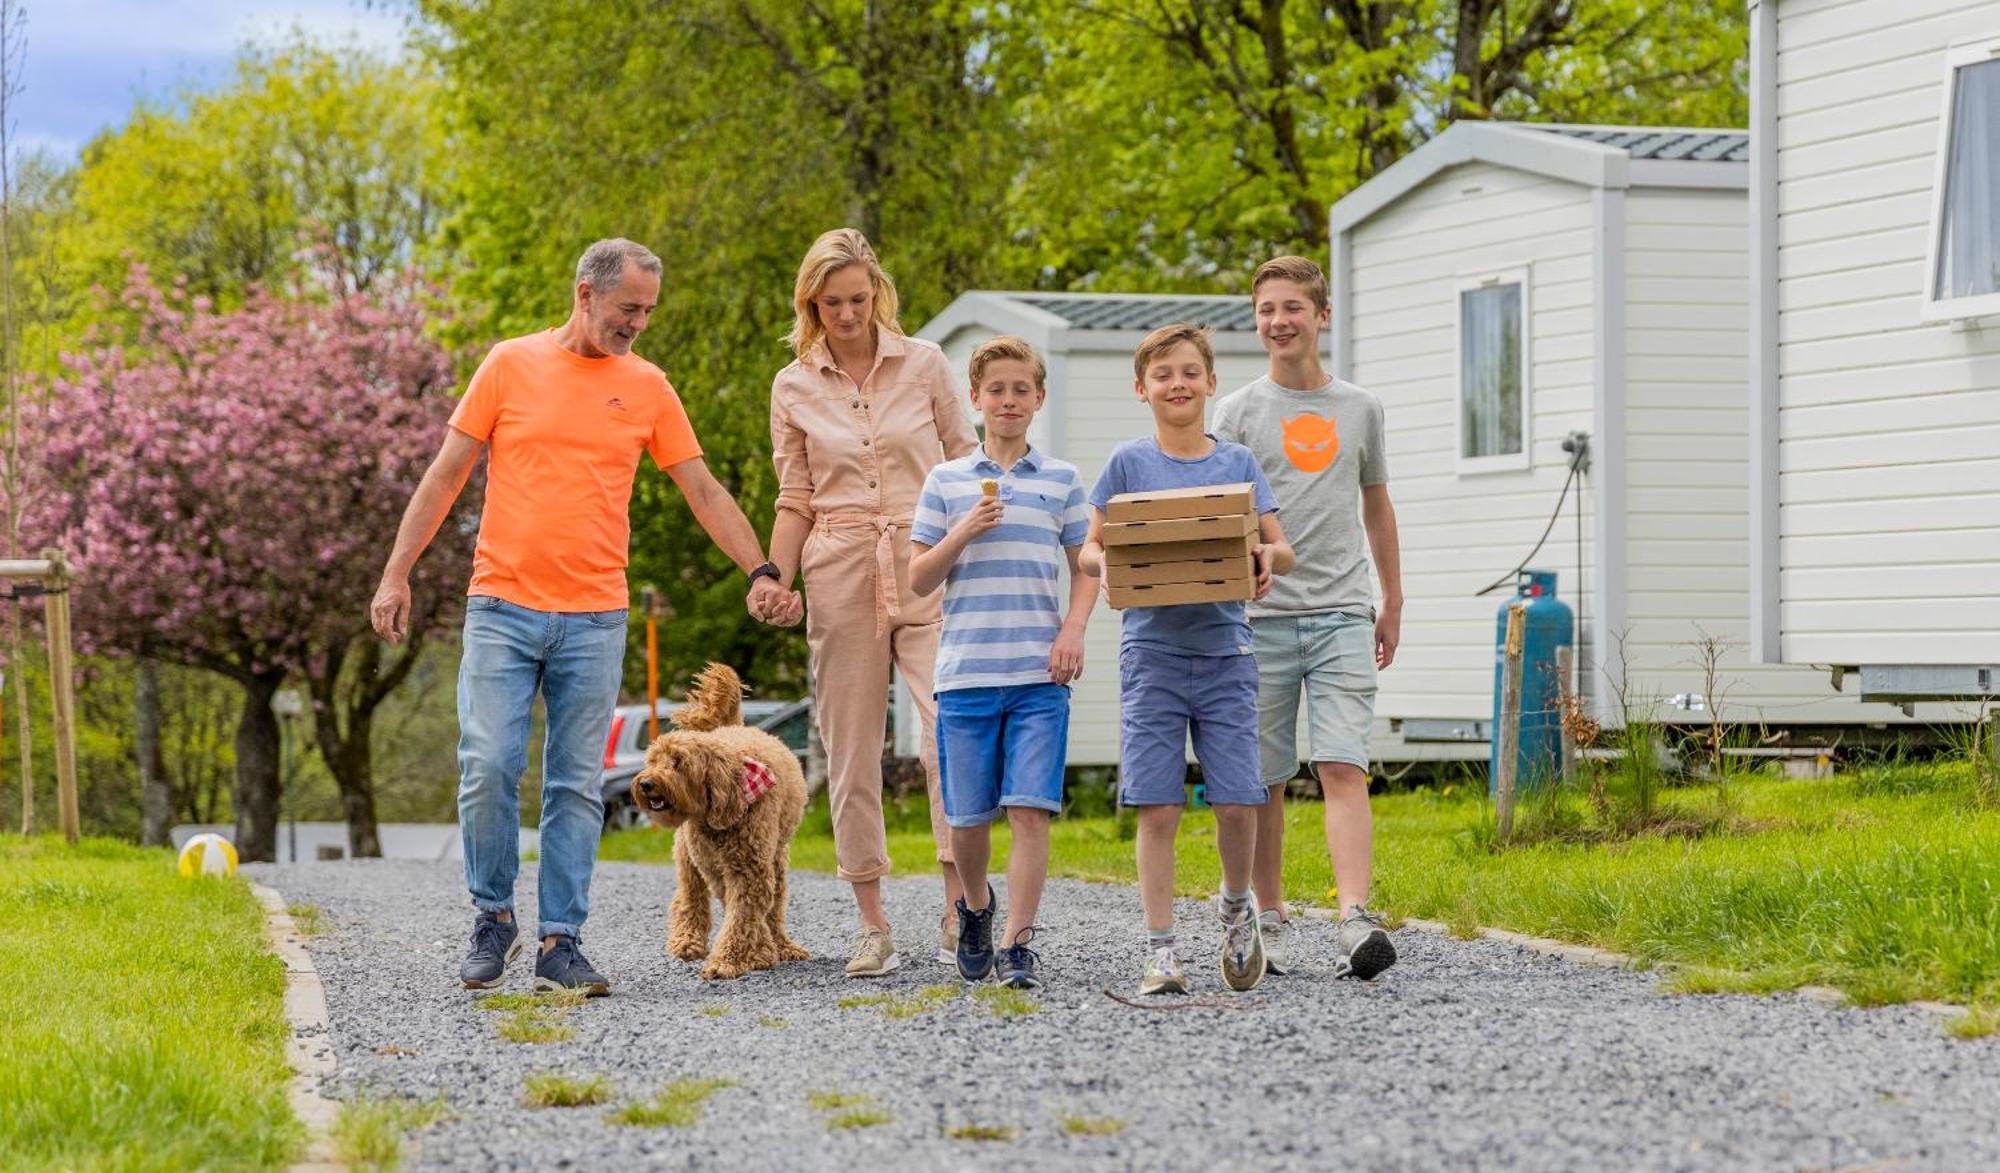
{"points": [[832, 252]]}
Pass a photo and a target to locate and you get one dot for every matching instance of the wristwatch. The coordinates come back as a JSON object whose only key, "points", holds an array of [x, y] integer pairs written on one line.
{"points": [[765, 570]]}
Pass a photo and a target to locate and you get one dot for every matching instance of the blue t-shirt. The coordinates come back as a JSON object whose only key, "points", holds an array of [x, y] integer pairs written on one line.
{"points": [[1190, 629]]}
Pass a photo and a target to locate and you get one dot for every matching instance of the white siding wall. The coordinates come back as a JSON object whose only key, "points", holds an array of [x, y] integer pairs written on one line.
{"points": [[1687, 490], [1889, 429], [1101, 412], [1460, 532]]}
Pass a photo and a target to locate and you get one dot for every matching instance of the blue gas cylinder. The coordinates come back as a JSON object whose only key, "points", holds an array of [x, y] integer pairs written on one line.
{"points": [[1549, 626]]}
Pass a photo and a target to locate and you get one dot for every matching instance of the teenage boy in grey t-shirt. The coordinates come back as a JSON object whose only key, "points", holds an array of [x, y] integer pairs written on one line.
{"points": [[1319, 443]]}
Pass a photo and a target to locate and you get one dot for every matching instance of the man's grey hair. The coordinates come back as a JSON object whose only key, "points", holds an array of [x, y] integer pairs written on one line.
{"points": [[602, 265]]}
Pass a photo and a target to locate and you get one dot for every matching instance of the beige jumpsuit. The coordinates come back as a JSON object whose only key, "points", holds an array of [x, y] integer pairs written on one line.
{"points": [[852, 457]]}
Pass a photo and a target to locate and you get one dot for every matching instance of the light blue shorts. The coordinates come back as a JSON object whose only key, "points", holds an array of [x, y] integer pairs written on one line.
{"points": [[1331, 658], [1001, 747]]}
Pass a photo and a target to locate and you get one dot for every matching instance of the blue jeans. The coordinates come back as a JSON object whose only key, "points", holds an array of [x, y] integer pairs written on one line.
{"points": [[575, 659], [999, 747]]}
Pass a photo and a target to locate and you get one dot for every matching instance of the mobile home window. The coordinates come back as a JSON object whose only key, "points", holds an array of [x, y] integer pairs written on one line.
{"points": [[1965, 229], [1493, 372]]}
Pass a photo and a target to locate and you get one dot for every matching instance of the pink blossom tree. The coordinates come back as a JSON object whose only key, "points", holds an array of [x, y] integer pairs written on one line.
{"points": [[228, 484]]}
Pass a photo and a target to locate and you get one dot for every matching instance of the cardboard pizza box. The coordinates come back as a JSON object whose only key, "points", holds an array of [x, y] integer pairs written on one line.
{"points": [[1179, 551], [1169, 504], [1189, 570], [1183, 529], [1233, 590]]}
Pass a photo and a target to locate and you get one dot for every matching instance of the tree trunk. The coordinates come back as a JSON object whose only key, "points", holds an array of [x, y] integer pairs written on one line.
{"points": [[353, 771], [156, 793], [257, 781]]}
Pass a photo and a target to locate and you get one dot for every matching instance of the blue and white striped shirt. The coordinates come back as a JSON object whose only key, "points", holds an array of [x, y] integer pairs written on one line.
{"points": [[1002, 600]]}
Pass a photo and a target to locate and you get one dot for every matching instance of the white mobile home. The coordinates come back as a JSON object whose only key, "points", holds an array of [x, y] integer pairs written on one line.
{"points": [[1088, 340], [1875, 341], [1506, 287]]}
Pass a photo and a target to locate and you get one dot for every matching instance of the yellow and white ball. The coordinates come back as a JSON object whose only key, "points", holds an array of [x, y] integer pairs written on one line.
{"points": [[208, 854]]}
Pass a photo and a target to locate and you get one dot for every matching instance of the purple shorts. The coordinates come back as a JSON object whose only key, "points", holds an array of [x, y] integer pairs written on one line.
{"points": [[1163, 697]]}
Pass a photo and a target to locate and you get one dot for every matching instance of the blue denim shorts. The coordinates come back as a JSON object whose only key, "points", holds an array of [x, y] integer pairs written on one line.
{"points": [[1001, 747], [1331, 659], [1163, 697]]}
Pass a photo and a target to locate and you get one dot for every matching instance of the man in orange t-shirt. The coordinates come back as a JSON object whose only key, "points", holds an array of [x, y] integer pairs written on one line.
{"points": [[563, 416]]}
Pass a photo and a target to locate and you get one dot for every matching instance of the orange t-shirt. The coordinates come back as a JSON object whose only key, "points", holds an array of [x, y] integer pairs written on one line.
{"points": [[563, 436]]}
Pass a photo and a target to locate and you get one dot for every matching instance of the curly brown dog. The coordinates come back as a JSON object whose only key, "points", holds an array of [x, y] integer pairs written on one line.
{"points": [[726, 845]]}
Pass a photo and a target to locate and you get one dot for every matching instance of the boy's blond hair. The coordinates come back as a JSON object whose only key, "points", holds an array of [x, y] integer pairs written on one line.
{"points": [[1166, 338], [1297, 270], [1006, 346], [831, 253]]}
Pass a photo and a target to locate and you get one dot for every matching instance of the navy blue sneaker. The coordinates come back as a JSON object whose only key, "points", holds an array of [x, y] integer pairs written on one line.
{"points": [[975, 939], [564, 967], [494, 943], [1018, 962]]}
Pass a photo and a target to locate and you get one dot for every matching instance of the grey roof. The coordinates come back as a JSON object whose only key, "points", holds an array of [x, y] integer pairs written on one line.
{"points": [[1108, 311], [1694, 146]]}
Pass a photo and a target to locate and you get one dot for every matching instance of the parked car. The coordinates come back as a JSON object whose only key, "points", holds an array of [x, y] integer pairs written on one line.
{"points": [[631, 733]]}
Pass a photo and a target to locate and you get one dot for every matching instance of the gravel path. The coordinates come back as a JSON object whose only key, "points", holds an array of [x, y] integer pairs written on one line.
{"points": [[1465, 1055]]}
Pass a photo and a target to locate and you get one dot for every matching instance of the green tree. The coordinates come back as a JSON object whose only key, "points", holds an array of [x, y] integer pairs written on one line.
{"points": [[311, 159], [726, 135]]}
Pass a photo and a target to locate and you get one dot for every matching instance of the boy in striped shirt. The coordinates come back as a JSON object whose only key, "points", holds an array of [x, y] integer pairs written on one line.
{"points": [[994, 527]]}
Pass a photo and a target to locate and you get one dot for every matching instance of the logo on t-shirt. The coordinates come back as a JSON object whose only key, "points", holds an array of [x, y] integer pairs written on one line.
{"points": [[1311, 442], [615, 403]]}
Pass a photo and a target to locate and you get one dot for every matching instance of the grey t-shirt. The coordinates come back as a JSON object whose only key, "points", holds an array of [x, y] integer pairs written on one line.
{"points": [[1317, 448]]}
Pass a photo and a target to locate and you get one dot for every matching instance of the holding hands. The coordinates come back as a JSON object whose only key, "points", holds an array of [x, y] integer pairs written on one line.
{"points": [[774, 604]]}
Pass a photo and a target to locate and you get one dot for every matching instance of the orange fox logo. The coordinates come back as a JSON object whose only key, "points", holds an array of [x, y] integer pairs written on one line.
{"points": [[1311, 442]]}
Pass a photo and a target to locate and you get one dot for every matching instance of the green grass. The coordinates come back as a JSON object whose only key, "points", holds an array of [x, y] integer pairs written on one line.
{"points": [[1976, 1023], [1878, 883], [901, 1006], [1004, 1001], [554, 1089], [859, 1118], [714, 1011], [162, 1044], [549, 1000], [982, 1132], [678, 1105], [837, 1101], [306, 919], [531, 1025], [771, 1023], [1092, 1125], [368, 1133]]}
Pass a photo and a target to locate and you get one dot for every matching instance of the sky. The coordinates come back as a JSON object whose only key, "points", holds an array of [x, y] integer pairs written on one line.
{"points": [[87, 60]]}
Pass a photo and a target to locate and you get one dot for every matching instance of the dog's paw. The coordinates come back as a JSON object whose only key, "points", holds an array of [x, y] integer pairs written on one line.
{"points": [[793, 951], [718, 971], [688, 949]]}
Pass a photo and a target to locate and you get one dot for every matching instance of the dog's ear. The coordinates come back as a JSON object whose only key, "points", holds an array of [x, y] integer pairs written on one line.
{"points": [[722, 775]]}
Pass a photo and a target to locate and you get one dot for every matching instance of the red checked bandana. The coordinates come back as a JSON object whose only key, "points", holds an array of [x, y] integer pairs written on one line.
{"points": [[757, 780]]}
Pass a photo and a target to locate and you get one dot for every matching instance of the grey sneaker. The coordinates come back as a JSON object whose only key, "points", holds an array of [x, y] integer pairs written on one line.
{"points": [[1276, 933], [1365, 949], [494, 944], [874, 954], [1242, 948], [564, 967], [1163, 974]]}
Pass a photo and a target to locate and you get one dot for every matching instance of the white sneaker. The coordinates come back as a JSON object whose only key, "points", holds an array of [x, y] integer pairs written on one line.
{"points": [[1275, 932], [1365, 949], [1163, 974], [1242, 948]]}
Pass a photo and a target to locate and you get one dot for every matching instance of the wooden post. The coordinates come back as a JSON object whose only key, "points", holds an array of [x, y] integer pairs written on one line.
{"points": [[1565, 669], [63, 685], [649, 599], [1509, 732]]}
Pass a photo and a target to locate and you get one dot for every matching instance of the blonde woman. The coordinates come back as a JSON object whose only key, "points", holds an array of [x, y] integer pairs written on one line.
{"points": [[857, 420]]}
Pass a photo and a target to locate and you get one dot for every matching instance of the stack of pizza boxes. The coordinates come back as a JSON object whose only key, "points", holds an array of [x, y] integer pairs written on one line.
{"points": [[1181, 546]]}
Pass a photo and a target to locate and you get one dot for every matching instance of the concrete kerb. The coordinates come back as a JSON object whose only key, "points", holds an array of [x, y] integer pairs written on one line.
{"points": [[309, 1050], [1611, 959]]}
